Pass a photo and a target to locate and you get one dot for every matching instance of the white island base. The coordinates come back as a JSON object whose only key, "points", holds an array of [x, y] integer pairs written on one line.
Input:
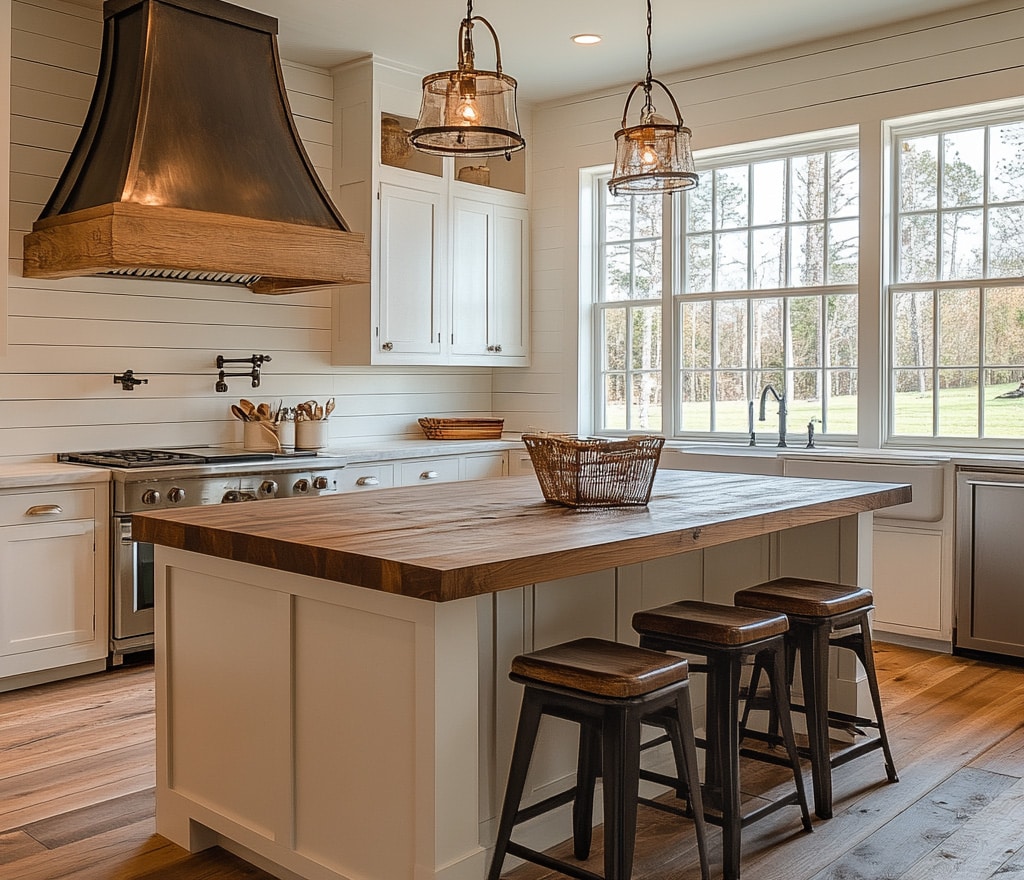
{"points": [[332, 732]]}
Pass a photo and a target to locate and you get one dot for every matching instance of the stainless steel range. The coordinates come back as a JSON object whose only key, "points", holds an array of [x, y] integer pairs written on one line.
{"points": [[155, 479]]}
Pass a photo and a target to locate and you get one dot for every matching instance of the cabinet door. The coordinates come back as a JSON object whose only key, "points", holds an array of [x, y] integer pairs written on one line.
{"points": [[412, 251], [509, 329], [47, 586], [471, 276]]}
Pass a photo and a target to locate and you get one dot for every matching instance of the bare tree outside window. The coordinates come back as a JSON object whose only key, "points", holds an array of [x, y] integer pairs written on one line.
{"points": [[956, 305]]}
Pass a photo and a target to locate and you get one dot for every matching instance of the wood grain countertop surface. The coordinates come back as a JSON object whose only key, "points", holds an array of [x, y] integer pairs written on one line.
{"points": [[454, 540]]}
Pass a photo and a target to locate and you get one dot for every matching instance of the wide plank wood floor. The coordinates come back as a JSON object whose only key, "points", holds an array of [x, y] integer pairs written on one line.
{"points": [[77, 802]]}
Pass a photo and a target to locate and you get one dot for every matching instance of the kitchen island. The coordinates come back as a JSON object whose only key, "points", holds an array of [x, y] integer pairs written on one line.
{"points": [[332, 698]]}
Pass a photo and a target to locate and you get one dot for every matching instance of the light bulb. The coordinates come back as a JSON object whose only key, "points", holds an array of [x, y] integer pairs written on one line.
{"points": [[648, 155], [466, 110]]}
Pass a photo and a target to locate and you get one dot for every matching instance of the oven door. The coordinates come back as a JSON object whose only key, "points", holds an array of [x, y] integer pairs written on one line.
{"points": [[132, 601]]}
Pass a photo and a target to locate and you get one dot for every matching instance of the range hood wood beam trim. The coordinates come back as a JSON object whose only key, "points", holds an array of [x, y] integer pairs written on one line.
{"points": [[125, 235]]}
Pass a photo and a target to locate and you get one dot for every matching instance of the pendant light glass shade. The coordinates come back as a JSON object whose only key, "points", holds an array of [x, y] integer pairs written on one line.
{"points": [[653, 156], [468, 112]]}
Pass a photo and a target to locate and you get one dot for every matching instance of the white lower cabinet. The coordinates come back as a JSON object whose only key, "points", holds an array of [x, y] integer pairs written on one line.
{"points": [[54, 602], [359, 476]]}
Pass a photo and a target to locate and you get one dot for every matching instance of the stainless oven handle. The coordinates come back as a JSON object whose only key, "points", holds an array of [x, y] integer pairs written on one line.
{"points": [[125, 528]]}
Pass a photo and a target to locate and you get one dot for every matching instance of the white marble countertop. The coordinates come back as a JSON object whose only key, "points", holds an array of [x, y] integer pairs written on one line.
{"points": [[385, 450], [49, 473]]}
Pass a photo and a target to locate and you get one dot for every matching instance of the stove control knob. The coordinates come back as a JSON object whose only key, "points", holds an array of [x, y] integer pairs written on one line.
{"points": [[301, 487], [151, 496], [175, 495], [268, 488], [319, 482]]}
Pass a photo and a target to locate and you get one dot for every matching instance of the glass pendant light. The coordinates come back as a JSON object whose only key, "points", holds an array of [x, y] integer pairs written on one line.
{"points": [[469, 112], [654, 156]]}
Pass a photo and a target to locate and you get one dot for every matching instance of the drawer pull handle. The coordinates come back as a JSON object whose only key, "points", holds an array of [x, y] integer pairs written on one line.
{"points": [[430, 475], [367, 481], [44, 510]]}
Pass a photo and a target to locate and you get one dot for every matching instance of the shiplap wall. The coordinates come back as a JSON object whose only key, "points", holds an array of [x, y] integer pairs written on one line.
{"points": [[67, 338], [966, 56]]}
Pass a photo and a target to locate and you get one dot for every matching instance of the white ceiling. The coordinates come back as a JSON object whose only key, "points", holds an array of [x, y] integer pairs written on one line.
{"points": [[534, 34]]}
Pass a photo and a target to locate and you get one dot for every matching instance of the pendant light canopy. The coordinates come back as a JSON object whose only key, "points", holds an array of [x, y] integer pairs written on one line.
{"points": [[654, 156], [469, 112]]}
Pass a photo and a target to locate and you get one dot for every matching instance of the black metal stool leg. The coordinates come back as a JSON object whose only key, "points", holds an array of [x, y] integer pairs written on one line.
{"points": [[621, 773], [813, 645], [775, 667], [723, 705], [587, 770], [688, 754], [526, 737], [868, 660]]}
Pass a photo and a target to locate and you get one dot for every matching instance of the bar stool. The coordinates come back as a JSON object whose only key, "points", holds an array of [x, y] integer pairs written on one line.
{"points": [[821, 615], [725, 636], [605, 687]]}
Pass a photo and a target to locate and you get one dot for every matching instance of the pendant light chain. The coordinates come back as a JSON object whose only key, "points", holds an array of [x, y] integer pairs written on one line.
{"points": [[648, 107], [654, 156]]}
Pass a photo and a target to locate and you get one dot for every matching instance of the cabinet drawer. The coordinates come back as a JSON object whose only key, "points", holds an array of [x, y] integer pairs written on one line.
{"points": [[40, 506], [359, 478], [430, 470]]}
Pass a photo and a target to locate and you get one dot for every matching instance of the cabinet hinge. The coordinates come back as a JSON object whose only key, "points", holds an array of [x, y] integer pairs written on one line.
{"points": [[376, 332]]}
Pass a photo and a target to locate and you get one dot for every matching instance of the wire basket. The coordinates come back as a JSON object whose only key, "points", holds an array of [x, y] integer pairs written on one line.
{"points": [[589, 472]]}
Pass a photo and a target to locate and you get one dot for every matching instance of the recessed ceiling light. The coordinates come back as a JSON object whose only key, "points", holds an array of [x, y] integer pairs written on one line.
{"points": [[586, 39]]}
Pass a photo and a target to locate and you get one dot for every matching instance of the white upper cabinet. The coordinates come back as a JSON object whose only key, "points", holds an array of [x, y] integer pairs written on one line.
{"points": [[412, 271], [449, 237], [489, 316]]}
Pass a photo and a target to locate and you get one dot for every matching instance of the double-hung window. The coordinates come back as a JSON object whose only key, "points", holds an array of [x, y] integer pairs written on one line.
{"points": [[755, 274], [956, 302]]}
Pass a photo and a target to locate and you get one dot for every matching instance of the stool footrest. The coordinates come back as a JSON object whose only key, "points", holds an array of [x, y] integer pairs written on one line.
{"points": [[549, 803], [546, 861]]}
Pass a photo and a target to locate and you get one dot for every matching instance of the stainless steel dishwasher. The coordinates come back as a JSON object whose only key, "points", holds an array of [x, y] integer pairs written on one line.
{"points": [[990, 561]]}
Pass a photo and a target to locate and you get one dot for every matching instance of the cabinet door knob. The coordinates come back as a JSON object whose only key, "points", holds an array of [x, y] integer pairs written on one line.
{"points": [[44, 510], [367, 481], [430, 475], [497, 348], [387, 346]]}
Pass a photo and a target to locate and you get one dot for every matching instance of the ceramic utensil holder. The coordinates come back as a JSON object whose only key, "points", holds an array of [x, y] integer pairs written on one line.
{"points": [[311, 434], [260, 437]]}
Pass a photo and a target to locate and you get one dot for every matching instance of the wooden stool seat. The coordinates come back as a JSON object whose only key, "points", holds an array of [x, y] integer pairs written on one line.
{"points": [[800, 597], [711, 624], [725, 636], [822, 615], [607, 688], [594, 666]]}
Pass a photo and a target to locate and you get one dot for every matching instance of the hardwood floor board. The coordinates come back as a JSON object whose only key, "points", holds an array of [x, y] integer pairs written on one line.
{"points": [[94, 819], [70, 745], [917, 831], [978, 848], [862, 809], [29, 812], [32, 796], [64, 697], [97, 858], [15, 845], [1012, 868], [1006, 756]]}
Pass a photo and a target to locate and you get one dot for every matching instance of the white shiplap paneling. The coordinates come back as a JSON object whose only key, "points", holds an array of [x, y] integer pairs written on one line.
{"points": [[68, 337]]}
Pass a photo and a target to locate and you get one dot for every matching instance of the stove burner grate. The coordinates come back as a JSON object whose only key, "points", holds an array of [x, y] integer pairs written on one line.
{"points": [[130, 458]]}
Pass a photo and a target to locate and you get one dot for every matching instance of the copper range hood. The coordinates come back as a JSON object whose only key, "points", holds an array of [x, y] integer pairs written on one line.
{"points": [[189, 165]]}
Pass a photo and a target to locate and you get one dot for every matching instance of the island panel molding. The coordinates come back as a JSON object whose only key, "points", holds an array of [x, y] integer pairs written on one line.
{"points": [[460, 540]]}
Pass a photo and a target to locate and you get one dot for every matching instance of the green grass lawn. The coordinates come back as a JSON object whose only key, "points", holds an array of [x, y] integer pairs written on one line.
{"points": [[912, 417]]}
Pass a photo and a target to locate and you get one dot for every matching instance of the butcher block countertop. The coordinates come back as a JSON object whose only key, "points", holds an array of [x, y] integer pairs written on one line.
{"points": [[455, 540]]}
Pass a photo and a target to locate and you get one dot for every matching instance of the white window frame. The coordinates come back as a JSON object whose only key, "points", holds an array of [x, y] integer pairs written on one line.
{"points": [[962, 118]]}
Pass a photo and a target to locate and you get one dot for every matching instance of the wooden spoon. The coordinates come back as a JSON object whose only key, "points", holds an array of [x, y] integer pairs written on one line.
{"points": [[329, 408], [236, 411], [248, 407], [264, 412]]}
